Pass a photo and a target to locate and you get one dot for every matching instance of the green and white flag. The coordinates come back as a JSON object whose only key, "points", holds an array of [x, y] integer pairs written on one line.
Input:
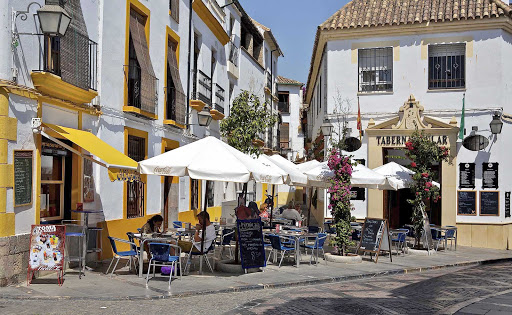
{"points": [[461, 132]]}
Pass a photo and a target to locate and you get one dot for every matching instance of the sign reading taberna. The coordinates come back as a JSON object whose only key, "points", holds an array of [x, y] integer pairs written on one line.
{"points": [[252, 249], [401, 140]]}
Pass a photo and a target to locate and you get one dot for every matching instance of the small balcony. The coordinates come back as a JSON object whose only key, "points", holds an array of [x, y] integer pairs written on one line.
{"points": [[217, 111], [201, 91], [142, 92], [67, 70], [174, 107], [268, 87]]}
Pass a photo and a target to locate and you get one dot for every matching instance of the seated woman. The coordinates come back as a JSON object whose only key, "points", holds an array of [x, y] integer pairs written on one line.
{"points": [[153, 225], [204, 223], [264, 215]]}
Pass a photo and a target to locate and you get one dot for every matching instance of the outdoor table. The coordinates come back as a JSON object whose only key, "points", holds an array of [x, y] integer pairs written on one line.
{"points": [[297, 237], [143, 239]]}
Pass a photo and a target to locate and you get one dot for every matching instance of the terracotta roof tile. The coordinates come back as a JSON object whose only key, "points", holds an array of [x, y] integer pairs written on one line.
{"points": [[283, 80], [372, 13]]}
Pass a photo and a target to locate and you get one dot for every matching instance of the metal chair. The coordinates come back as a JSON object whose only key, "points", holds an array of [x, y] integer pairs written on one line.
{"points": [[437, 236], [225, 240], [75, 230], [177, 224], [328, 228], [278, 247], [161, 256], [398, 239], [129, 254], [202, 255], [317, 246], [313, 229], [131, 238]]}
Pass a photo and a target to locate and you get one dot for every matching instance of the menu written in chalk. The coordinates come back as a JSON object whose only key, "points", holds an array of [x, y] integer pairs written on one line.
{"points": [[252, 250], [507, 204], [22, 178], [372, 234], [466, 202], [490, 175], [490, 203], [467, 175]]}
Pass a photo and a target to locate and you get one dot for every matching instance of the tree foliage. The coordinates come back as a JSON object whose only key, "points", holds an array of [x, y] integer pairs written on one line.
{"points": [[247, 120], [423, 154]]}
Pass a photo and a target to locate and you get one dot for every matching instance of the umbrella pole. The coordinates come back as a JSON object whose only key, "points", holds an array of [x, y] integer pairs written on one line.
{"points": [[203, 233], [272, 205], [309, 207]]}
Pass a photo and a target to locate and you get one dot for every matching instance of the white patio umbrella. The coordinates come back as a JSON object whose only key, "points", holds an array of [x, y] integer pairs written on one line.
{"points": [[295, 177], [362, 177], [306, 166], [210, 159], [397, 176]]}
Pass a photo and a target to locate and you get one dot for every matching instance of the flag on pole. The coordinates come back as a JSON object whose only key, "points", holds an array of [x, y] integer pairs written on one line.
{"points": [[461, 131], [359, 126]]}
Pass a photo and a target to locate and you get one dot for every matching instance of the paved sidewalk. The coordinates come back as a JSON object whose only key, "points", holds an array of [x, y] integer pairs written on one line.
{"points": [[124, 285]]}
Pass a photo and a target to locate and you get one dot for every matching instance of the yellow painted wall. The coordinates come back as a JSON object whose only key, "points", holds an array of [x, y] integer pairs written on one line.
{"points": [[190, 216], [118, 228], [494, 236], [8, 131]]}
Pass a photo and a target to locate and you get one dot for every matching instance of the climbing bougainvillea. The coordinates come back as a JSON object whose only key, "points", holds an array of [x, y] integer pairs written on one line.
{"points": [[339, 199], [423, 154]]}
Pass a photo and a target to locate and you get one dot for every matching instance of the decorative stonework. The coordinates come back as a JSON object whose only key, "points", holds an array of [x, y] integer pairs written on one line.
{"points": [[411, 116]]}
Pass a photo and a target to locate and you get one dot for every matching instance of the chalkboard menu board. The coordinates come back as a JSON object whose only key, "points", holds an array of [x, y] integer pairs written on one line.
{"points": [[250, 237], [375, 237], [22, 178], [490, 203], [466, 202], [507, 204], [490, 175], [357, 193], [467, 175]]}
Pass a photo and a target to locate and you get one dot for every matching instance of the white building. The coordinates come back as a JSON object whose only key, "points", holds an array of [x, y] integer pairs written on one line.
{"points": [[127, 79], [425, 58], [290, 106]]}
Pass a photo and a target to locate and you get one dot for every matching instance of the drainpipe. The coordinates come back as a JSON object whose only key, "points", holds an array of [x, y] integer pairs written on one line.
{"points": [[188, 61]]}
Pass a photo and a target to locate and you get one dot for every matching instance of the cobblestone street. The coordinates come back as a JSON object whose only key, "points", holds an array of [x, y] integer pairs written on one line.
{"points": [[484, 289]]}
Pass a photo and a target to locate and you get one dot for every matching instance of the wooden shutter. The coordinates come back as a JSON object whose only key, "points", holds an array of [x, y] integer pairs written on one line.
{"points": [[148, 79], [175, 75], [174, 7], [284, 134]]}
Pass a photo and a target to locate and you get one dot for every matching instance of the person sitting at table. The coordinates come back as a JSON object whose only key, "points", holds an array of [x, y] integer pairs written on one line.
{"points": [[264, 211], [291, 214], [154, 225], [204, 223]]}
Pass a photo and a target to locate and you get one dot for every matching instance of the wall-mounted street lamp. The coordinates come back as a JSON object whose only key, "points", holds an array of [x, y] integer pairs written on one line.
{"points": [[326, 128], [53, 19], [204, 117], [496, 124]]}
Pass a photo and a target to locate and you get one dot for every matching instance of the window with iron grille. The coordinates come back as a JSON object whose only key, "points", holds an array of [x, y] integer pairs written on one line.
{"points": [[174, 9], [194, 194], [447, 66], [284, 135], [284, 102], [135, 189], [375, 69], [175, 96]]}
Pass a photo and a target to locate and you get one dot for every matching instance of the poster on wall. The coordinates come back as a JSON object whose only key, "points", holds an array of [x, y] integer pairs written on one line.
{"points": [[507, 204], [467, 175], [46, 249], [22, 178], [88, 181], [490, 175]]}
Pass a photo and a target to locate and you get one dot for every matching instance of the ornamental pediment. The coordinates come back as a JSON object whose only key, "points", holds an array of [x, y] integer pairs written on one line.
{"points": [[410, 117]]}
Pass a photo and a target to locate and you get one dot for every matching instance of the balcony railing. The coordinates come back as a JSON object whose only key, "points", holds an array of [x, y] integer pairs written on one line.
{"points": [[283, 107], [269, 81], [73, 57], [175, 105], [219, 99], [142, 89], [233, 53], [203, 88]]}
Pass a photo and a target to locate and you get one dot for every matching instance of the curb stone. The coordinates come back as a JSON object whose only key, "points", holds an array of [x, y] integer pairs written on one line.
{"points": [[244, 288]]}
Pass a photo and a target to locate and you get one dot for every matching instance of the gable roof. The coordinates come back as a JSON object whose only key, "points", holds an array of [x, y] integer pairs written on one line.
{"points": [[371, 13], [283, 80], [382, 14], [268, 31]]}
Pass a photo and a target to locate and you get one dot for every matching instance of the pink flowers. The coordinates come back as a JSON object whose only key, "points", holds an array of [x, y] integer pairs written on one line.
{"points": [[428, 184], [413, 164], [424, 175], [426, 189]]}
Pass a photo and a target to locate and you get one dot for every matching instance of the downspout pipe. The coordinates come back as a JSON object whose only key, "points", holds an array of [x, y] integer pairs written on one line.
{"points": [[189, 66]]}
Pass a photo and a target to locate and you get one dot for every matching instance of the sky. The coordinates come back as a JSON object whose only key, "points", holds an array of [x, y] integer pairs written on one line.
{"points": [[294, 24]]}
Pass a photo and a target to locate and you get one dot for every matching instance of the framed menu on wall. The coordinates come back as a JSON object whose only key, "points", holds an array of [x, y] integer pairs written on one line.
{"points": [[467, 175], [490, 203], [507, 204], [490, 175], [22, 178], [466, 202]]}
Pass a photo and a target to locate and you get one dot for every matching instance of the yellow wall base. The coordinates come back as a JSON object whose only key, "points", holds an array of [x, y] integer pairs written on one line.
{"points": [[118, 228], [190, 216], [6, 224], [485, 235]]}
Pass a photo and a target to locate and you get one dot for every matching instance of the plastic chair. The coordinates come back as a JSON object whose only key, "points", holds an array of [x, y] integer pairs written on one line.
{"points": [[161, 256], [328, 228], [398, 239], [177, 224], [131, 238], [79, 233], [437, 237], [317, 246], [278, 247], [129, 254], [450, 235], [225, 240], [202, 255]]}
